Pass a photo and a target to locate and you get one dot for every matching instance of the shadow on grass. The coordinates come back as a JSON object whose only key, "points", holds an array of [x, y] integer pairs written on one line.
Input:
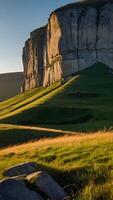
{"points": [[43, 115], [79, 178], [18, 136]]}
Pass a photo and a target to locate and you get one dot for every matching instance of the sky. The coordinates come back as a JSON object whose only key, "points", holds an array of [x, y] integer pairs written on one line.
{"points": [[17, 19]]}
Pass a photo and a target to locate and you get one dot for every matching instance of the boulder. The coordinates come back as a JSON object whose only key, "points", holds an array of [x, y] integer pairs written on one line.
{"points": [[21, 169], [44, 183], [11, 189]]}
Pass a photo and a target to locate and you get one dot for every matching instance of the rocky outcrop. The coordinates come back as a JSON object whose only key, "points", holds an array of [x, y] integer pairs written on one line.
{"points": [[77, 36], [35, 186], [33, 59]]}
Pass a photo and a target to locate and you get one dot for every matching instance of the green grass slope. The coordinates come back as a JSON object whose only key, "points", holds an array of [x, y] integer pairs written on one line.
{"points": [[82, 104], [10, 84], [14, 135], [25, 101], [80, 160]]}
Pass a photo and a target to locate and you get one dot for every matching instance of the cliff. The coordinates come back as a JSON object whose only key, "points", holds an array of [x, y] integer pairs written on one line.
{"points": [[76, 36], [33, 59]]}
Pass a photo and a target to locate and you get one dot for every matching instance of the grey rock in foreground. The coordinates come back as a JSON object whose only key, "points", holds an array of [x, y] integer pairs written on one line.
{"points": [[26, 183], [11, 189], [21, 169], [44, 183]]}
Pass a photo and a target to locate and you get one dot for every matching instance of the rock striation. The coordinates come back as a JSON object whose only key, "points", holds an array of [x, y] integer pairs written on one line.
{"points": [[33, 59], [77, 36]]}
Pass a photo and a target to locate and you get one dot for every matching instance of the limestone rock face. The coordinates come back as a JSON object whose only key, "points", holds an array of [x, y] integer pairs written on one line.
{"points": [[77, 36], [53, 58], [33, 59]]}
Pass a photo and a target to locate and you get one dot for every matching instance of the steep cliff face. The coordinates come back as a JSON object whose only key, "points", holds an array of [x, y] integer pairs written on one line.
{"points": [[77, 36], [53, 57], [33, 59]]}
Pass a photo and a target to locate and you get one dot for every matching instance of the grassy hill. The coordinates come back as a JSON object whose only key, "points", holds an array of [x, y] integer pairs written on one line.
{"points": [[85, 160], [10, 84], [12, 134], [82, 104]]}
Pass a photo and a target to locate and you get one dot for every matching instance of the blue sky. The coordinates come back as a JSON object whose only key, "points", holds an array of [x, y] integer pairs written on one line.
{"points": [[17, 19]]}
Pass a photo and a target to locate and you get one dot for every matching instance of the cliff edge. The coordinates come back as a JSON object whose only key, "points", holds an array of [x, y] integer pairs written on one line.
{"points": [[77, 36]]}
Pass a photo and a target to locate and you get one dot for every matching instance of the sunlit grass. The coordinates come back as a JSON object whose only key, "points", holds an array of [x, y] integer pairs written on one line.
{"points": [[25, 101], [85, 160], [82, 104], [13, 134]]}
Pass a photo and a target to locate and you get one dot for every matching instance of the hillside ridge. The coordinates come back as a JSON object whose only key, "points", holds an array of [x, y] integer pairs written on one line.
{"points": [[75, 105]]}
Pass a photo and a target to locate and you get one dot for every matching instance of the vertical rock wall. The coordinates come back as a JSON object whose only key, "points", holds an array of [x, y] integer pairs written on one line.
{"points": [[76, 36], [53, 58], [33, 59]]}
